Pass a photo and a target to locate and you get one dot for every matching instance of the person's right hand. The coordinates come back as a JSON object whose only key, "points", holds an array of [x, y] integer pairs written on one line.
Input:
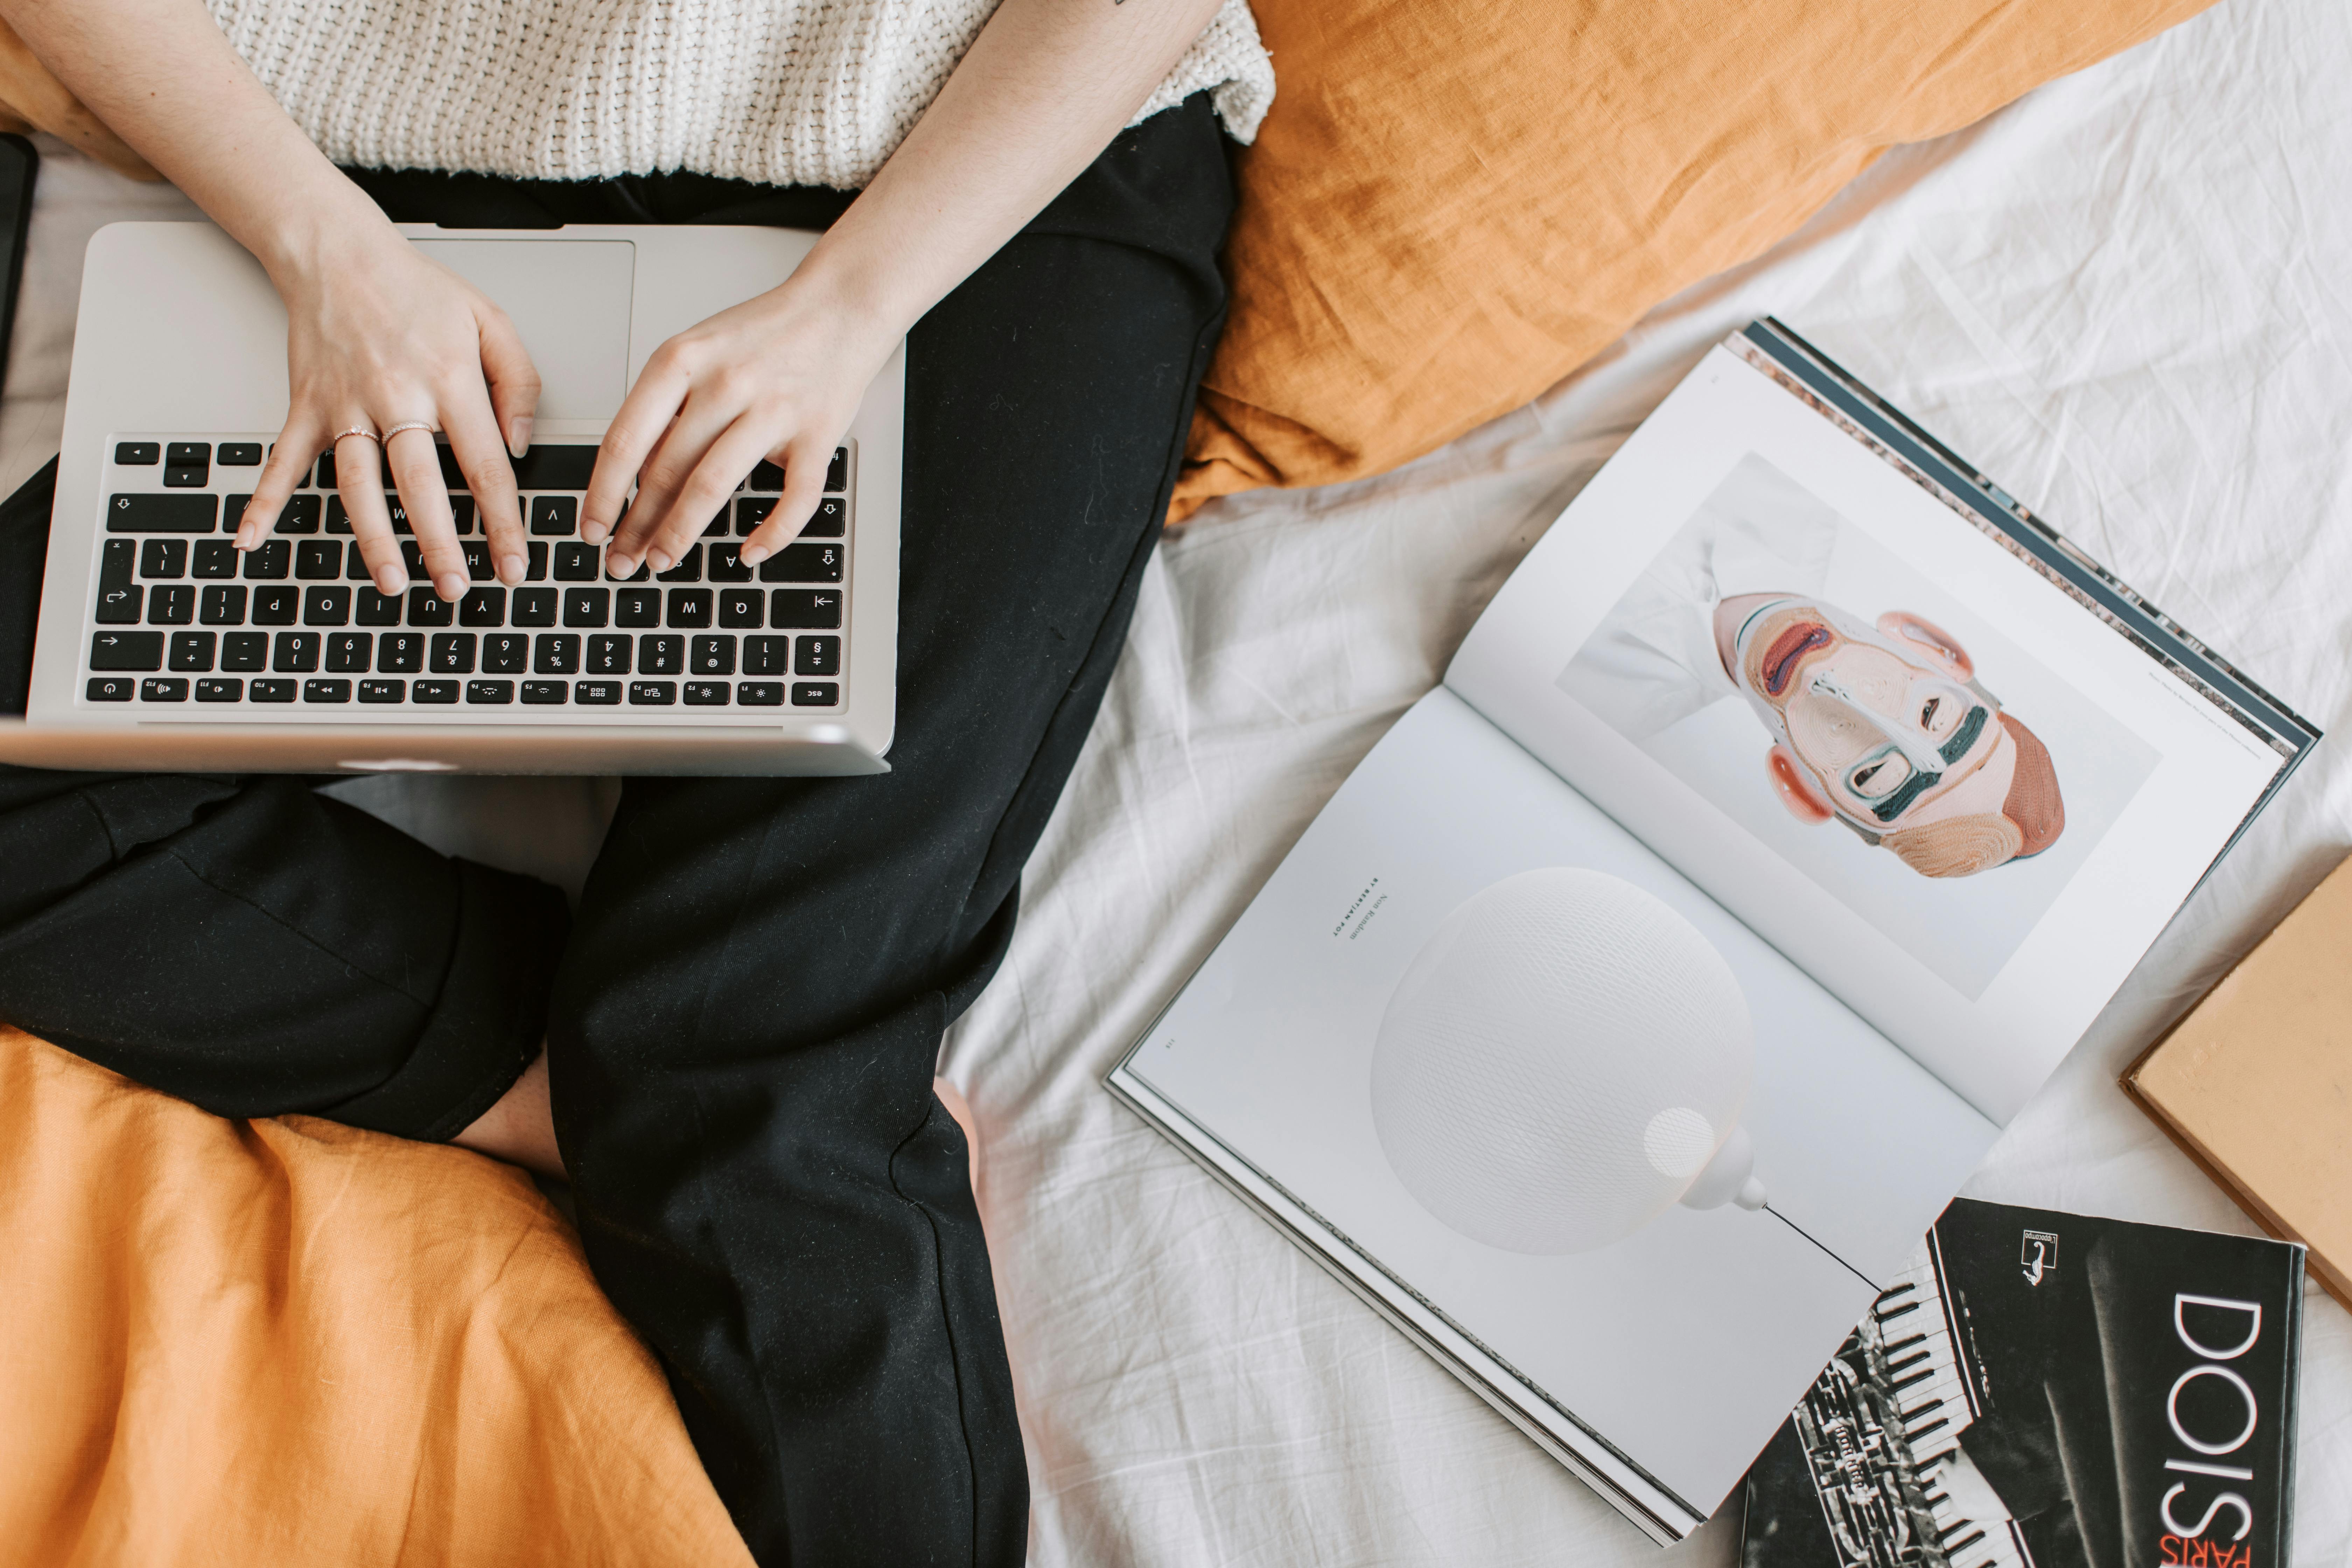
{"points": [[379, 335]]}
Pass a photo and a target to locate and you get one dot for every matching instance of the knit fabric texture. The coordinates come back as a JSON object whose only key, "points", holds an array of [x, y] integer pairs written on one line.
{"points": [[785, 92]]}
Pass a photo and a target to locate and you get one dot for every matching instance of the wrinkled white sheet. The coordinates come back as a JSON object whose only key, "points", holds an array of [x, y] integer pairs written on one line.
{"points": [[2127, 297]]}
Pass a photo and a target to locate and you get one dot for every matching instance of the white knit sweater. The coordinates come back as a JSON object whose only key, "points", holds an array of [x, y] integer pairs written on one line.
{"points": [[788, 92]]}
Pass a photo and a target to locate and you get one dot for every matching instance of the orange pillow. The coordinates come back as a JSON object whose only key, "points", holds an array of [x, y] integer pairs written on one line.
{"points": [[239, 1342], [1454, 202]]}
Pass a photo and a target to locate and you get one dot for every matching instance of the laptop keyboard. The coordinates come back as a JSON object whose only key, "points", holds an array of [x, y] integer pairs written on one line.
{"points": [[179, 619]]}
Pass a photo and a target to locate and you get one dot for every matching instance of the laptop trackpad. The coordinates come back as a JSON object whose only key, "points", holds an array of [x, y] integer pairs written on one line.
{"points": [[569, 300]]}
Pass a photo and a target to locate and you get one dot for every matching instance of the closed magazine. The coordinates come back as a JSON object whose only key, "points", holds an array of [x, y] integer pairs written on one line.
{"points": [[2042, 1389], [1625, 1017]]}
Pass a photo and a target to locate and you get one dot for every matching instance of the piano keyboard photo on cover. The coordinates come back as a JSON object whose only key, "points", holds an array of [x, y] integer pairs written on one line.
{"points": [[1880, 1432]]}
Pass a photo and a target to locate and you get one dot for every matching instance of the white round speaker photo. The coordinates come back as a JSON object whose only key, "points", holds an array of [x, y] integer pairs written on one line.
{"points": [[1564, 1059]]}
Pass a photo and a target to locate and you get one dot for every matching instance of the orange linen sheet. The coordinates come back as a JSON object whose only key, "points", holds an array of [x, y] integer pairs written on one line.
{"points": [[1453, 204], [288, 1341]]}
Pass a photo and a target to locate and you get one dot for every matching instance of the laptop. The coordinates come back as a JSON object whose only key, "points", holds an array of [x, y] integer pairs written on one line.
{"points": [[161, 647]]}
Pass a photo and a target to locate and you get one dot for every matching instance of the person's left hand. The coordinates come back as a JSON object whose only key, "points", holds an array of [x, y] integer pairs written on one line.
{"points": [[778, 378]]}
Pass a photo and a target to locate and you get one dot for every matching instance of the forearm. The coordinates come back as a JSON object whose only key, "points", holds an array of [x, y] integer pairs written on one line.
{"points": [[164, 78], [1041, 92]]}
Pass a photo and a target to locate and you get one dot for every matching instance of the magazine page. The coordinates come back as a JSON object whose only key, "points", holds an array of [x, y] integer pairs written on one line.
{"points": [[1921, 769], [1560, 1114]]}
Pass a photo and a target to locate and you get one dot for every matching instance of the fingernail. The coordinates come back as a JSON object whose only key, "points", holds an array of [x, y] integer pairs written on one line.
{"points": [[754, 554], [619, 567], [513, 568], [392, 581], [594, 532], [451, 587], [662, 562], [518, 435]]}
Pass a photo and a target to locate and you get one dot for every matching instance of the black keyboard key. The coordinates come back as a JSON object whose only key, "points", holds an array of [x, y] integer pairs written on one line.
{"points": [[299, 515], [556, 653], [552, 467], [187, 465], [707, 694], [115, 562], [170, 604], [688, 570], [689, 608], [191, 652], [636, 607], [326, 475], [661, 655], [726, 562], [817, 656], [427, 608], [126, 650], [276, 605], [162, 514], [412, 560], [453, 653], [452, 476], [751, 512], [653, 693], [831, 520], [433, 690], [338, 520], [119, 606], [269, 560], [400, 653], [767, 656], [160, 557], [348, 652], [461, 514], [490, 692], [220, 689], [586, 606], [370, 608], [483, 607], [741, 607], [718, 523], [110, 688], [478, 566], [597, 693], [355, 566], [238, 455], [397, 510], [537, 569], [244, 651], [534, 606], [837, 472], [609, 655], [759, 693], [505, 653], [803, 564], [554, 514], [327, 606], [138, 454], [383, 690], [545, 692], [296, 653], [714, 655], [766, 476], [162, 689], [326, 692], [816, 694], [576, 563], [319, 560], [215, 558], [273, 691]]}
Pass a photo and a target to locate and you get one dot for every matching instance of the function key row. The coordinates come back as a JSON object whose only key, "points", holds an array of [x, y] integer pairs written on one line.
{"points": [[463, 653], [330, 689]]}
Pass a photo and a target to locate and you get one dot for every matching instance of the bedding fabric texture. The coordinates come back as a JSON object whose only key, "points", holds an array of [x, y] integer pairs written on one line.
{"points": [[2123, 296], [1452, 205]]}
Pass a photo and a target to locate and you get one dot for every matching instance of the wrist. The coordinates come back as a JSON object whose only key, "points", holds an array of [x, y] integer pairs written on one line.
{"points": [[318, 236]]}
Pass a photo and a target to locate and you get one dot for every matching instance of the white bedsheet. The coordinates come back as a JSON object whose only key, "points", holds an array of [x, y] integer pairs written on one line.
{"points": [[2127, 297]]}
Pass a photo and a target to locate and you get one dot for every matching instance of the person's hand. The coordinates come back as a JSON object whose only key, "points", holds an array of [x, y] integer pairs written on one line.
{"points": [[379, 336], [778, 377]]}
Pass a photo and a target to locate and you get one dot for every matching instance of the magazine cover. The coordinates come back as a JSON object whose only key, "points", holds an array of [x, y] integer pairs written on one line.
{"points": [[2043, 1390]]}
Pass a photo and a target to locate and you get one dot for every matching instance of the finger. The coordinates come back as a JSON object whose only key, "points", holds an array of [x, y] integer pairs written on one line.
{"points": [[513, 379], [416, 474], [646, 532], [482, 458], [359, 479], [805, 460], [707, 490], [645, 417], [298, 445]]}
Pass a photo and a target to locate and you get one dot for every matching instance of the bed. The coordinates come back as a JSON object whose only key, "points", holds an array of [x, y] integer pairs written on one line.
{"points": [[2126, 297]]}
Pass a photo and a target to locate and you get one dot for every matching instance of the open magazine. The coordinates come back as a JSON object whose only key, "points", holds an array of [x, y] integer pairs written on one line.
{"points": [[1626, 1017]]}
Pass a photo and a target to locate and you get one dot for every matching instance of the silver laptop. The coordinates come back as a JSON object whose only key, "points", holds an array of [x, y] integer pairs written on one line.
{"points": [[161, 647]]}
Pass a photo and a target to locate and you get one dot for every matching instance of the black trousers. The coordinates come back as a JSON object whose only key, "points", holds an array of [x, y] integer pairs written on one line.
{"points": [[744, 1019]]}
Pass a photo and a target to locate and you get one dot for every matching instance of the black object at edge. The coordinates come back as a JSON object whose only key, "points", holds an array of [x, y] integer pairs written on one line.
{"points": [[18, 165]]}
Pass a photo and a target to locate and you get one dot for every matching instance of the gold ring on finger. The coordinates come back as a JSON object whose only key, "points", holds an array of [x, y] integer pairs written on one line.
{"points": [[342, 436]]}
